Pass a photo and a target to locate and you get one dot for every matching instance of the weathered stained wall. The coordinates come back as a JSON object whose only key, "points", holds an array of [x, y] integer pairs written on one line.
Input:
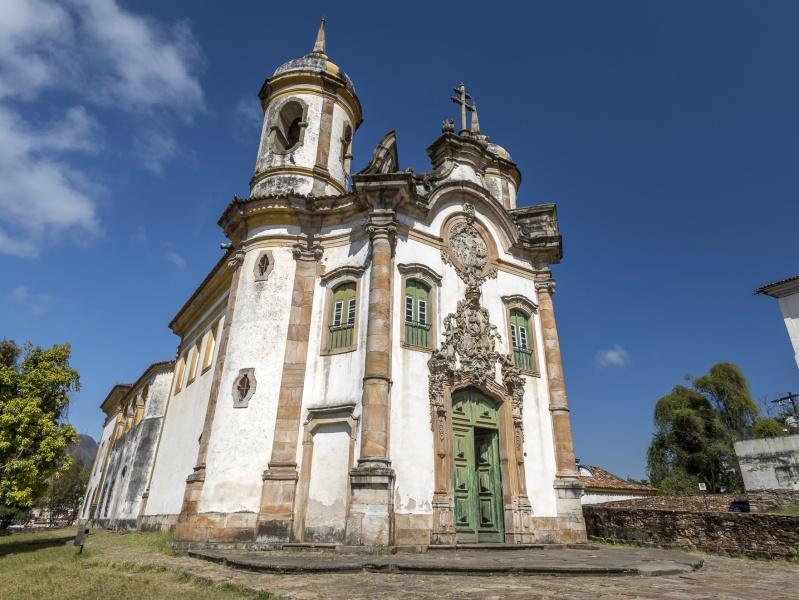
{"points": [[769, 463]]}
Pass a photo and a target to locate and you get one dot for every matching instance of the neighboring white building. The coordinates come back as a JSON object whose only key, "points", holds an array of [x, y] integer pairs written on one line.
{"points": [[787, 294], [374, 361], [603, 486], [769, 463]]}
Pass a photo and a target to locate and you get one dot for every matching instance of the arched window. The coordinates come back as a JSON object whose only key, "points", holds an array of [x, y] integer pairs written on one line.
{"points": [[417, 313], [520, 339], [288, 126], [342, 316], [346, 149]]}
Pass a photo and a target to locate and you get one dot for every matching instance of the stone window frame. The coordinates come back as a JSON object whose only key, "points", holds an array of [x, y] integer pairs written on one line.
{"points": [[194, 360], [530, 308], [257, 275], [180, 371], [346, 148], [210, 346], [244, 402], [278, 108], [430, 278], [317, 417], [331, 280]]}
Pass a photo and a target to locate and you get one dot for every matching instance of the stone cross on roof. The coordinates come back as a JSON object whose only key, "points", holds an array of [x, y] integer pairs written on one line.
{"points": [[463, 99]]}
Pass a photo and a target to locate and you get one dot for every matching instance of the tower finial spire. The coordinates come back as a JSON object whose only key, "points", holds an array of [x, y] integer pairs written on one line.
{"points": [[475, 122], [319, 44]]}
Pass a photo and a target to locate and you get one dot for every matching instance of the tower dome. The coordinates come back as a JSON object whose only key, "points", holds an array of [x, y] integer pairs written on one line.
{"points": [[311, 113]]}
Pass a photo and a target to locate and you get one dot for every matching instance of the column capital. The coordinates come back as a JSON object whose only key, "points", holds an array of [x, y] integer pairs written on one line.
{"points": [[544, 282], [312, 252], [382, 226]]}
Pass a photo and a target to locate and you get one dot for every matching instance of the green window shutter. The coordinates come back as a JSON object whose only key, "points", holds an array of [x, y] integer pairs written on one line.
{"points": [[417, 317], [342, 322], [519, 331]]}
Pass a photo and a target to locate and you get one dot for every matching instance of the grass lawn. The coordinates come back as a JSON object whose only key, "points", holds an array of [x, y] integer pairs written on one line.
{"points": [[139, 566], [789, 510]]}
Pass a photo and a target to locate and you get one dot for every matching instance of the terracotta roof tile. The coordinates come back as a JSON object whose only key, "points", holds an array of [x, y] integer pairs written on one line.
{"points": [[604, 480]]}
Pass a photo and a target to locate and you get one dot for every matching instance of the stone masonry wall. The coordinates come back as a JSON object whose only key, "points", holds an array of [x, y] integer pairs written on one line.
{"points": [[751, 534], [760, 502]]}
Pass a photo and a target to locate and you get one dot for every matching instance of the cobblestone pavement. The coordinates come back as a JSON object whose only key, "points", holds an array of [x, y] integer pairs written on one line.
{"points": [[589, 560], [720, 578]]}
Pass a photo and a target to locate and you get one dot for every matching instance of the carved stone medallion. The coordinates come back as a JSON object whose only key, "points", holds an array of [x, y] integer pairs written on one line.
{"points": [[466, 250]]}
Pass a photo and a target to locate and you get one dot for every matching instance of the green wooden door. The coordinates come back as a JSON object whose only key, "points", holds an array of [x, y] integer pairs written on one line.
{"points": [[479, 516]]}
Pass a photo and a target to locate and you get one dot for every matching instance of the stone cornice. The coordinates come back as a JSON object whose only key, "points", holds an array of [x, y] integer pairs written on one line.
{"points": [[210, 289], [419, 268], [343, 272]]}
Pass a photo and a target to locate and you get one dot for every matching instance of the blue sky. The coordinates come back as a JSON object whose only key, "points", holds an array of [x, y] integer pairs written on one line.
{"points": [[668, 135]]}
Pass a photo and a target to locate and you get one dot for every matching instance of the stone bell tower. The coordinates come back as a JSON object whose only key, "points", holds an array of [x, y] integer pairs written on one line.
{"points": [[311, 113]]}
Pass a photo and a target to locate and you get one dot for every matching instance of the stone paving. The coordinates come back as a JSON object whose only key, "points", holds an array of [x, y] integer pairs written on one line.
{"points": [[591, 560], [720, 578]]}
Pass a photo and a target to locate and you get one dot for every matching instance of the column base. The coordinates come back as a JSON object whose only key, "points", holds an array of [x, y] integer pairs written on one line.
{"points": [[371, 513], [519, 522], [276, 515], [570, 507]]}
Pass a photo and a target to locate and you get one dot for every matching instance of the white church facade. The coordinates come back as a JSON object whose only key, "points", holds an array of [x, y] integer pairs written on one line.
{"points": [[374, 361]]}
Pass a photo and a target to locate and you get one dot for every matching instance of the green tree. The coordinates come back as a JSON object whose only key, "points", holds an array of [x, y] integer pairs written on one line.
{"points": [[765, 428], [695, 428], [35, 384], [66, 491]]}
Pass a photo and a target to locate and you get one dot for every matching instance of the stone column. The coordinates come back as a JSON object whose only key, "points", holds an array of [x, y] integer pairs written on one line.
{"points": [[371, 506], [569, 489], [276, 513], [186, 528]]}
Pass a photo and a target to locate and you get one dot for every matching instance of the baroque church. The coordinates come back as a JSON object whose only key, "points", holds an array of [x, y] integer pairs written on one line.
{"points": [[374, 360]]}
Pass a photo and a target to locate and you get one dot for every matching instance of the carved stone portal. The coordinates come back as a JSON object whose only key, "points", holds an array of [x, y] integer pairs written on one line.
{"points": [[468, 356]]}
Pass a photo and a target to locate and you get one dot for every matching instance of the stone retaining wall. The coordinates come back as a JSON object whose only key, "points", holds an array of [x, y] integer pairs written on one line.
{"points": [[758, 535], [759, 501]]}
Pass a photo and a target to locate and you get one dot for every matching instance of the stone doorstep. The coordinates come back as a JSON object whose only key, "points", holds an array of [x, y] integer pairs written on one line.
{"points": [[500, 546], [337, 564]]}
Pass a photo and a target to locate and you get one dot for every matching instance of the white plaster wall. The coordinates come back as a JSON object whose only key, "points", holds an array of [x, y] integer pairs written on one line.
{"points": [[303, 156], [180, 433], [335, 158], [596, 498], [411, 439], [336, 378], [789, 305], [329, 481], [97, 468], [241, 438]]}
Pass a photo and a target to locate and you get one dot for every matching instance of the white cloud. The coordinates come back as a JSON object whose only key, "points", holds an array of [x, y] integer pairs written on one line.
{"points": [[35, 303], [40, 195], [94, 52], [175, 258], [613, 357]]}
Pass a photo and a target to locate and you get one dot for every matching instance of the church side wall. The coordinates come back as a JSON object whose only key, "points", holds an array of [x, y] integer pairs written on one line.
{"points": [[96, 477], [141, 459], [241, 438], [182, 426]]}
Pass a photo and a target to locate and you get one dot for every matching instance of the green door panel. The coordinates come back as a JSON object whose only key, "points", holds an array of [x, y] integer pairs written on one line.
{"points": [[479, 516]]}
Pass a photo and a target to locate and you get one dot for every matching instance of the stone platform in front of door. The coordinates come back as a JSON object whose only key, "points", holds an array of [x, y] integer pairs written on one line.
{"points": [[508, 560]]}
